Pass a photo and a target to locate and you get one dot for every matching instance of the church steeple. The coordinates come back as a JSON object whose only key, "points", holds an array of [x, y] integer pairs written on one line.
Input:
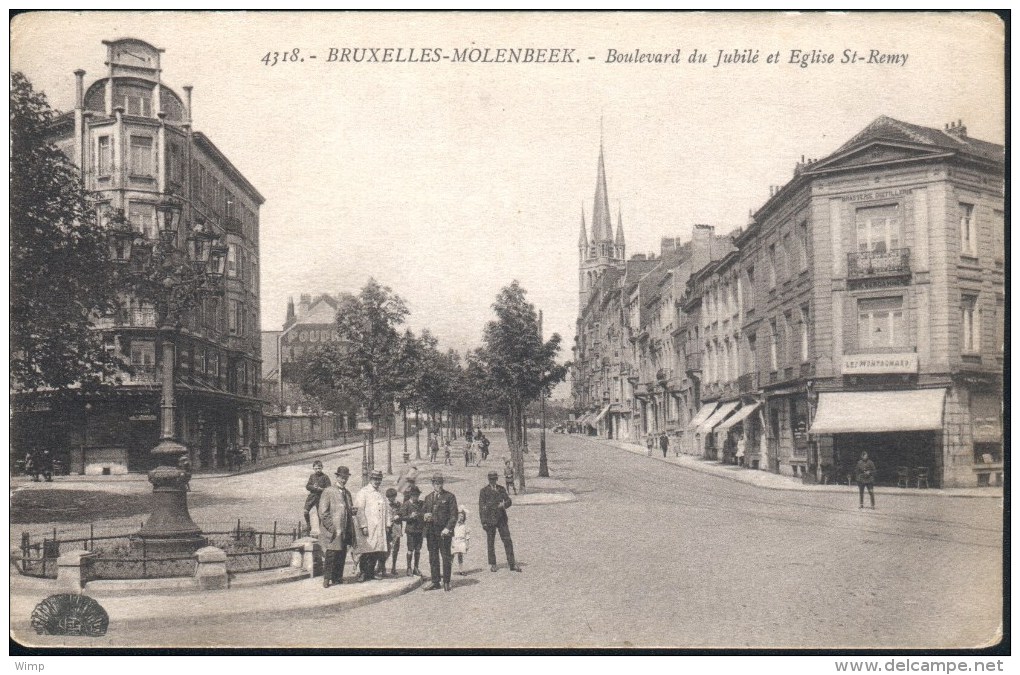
{"points": [[582, 242], [621, 246], [601, 225]]}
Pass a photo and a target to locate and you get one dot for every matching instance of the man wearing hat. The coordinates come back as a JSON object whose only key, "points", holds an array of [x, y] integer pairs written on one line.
{"points": [[336, 527], [493, 501], [372, 511], [317, 482], [440, 514]]}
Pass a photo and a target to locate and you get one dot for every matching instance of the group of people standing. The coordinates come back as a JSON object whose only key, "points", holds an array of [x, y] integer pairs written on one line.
{"points": [[371, 524]]}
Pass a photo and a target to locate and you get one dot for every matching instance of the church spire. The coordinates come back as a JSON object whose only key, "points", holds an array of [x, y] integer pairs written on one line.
{"points": [[582, 242], [620, 243], [601, 225]]}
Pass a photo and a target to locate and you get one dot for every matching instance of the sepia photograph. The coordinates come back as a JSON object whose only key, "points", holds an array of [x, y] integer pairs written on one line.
{"points": [[555, 331]]}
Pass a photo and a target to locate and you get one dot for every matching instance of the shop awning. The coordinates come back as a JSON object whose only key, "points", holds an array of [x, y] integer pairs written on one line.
{"points": [[737, 417], [718, 416], [599, 417], [847, 412], [702, 415]]}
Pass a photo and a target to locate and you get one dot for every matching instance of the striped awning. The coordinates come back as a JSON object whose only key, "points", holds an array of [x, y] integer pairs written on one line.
{"points": [[718, 416], [703, 414], [737, 417]]}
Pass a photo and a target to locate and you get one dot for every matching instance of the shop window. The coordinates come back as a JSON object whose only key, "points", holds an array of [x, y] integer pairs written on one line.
{"points": [[880, 323], [987, 453], [971, 324], [104, 157], [968, 230], [878, 229], [141, 156]]}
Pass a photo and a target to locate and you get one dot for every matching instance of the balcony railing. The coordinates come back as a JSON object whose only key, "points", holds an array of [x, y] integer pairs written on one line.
{"points": [[866, 264]]}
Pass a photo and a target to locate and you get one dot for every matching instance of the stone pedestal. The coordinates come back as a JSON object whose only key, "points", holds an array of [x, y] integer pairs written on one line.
{"points": [[70, 575], [170, 528], [211, 573], [307, 555]]}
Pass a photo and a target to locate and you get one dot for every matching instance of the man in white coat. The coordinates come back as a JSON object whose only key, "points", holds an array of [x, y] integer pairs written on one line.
{"points": [[372, 510]]}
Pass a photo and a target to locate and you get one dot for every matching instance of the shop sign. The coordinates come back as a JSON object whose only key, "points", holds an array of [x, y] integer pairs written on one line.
{"points": [[878, 364], [142, 417], [872, 196], [364, 426]]}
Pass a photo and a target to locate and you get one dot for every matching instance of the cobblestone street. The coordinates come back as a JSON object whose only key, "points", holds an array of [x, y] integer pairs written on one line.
{"points": [[652, 554]]}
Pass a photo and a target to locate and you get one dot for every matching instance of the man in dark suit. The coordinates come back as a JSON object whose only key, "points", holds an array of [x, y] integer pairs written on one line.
{"points": [[493, 501], [440, 513]]}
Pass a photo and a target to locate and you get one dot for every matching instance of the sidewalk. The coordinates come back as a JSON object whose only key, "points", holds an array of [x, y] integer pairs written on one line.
{"points": [[304, 597], [773, 481]]}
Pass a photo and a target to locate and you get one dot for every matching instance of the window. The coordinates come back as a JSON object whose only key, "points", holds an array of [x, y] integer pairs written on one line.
{"points": [[214, 364], [1000, 324], [971, 324], [198, 171], [968, 230], [141, 156], [784, 259], [228, 204], [104, 157], [233, 252], [773, 345], [749, 289], [752, 353], [173, 163], [880, 323], [802, 233], [878, 229], [805, 348], [199, 361], [138, 103], [143, 219], [232, 316], [789, 344], [772, 265], [143, 353]]}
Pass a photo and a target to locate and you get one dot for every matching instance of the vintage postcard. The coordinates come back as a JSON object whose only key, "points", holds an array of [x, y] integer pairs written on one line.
{"points": [[548, 330]]}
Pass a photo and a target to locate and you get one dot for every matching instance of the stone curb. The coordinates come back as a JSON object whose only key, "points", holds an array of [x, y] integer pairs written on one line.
{"points": [[750, 477]]}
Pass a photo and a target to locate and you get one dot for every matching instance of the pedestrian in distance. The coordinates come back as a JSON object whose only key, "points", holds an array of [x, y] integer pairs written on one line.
{"points": [[31, 466], [372, 512], [461, 539], [650, 443], [469, 446], [412, 517], [433, 448], [336, 527], [508, 474], [447, 450], [46, 466], [664, 444], [485, 446], [865, 471], [493, 501], [440, 515], [317, 482]]}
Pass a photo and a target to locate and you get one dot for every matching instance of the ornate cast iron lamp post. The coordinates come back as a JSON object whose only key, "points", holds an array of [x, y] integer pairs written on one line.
{"points": [[176, 282]]}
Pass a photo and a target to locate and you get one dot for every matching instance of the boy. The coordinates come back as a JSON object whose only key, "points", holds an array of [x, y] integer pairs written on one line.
{"points": [[317, 482], [508, 474], [412, 516], [393, 533]]}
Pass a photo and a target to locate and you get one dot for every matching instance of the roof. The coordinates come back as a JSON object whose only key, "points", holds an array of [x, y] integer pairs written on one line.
{"points": [[601, 227], [889, 129]]}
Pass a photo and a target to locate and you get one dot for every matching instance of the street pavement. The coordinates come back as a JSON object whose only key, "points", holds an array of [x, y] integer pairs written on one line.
{"points": [[651, 554]]}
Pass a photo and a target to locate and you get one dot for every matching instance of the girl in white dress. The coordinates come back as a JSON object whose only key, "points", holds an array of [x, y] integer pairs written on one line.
{"points": [[461, 537]]}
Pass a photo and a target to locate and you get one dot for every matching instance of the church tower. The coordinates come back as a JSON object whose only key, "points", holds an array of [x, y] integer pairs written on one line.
{"points": [[602, 251]]}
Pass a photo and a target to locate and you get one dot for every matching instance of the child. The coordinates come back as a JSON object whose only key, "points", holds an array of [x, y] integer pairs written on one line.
{"points": [[317, 482], [461, 537], [446, 453], [393, 531], [412, 515], [508, 473]]}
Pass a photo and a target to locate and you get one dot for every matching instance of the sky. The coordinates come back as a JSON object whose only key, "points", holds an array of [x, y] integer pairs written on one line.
{"points": [[446, 181]]}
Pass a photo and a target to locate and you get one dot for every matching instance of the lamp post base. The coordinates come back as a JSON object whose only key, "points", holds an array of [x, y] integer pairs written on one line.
{"points": [[169, 528]]}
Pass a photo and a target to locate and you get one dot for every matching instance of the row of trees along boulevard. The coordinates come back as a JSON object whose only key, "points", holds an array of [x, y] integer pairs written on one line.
{"points": [[378, 368]]}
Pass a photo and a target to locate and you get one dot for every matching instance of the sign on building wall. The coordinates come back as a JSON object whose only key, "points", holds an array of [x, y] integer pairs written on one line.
{"points": [[876, 364]]}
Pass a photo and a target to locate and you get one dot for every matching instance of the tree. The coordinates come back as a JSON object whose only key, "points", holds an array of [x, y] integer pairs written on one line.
{"points": [[366, 363], [519, 367], [62, 275]]}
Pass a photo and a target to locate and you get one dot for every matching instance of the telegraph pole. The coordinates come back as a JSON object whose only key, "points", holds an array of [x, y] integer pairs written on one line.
{"points": [[543, 461]]}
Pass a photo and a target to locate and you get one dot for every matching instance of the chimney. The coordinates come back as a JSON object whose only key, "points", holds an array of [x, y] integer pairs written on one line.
{"points": [[701, 246], [956, 129], [667, 245], [187, 103], [291, 318], [79, 88]]}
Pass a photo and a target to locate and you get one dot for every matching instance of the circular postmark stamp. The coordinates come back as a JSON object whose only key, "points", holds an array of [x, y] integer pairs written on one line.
{"points": [[70, 614]]}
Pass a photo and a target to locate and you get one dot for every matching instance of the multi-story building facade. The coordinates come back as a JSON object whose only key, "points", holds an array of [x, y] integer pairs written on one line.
{"points": [[865, 308], [862, 308], [132, 137]]}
